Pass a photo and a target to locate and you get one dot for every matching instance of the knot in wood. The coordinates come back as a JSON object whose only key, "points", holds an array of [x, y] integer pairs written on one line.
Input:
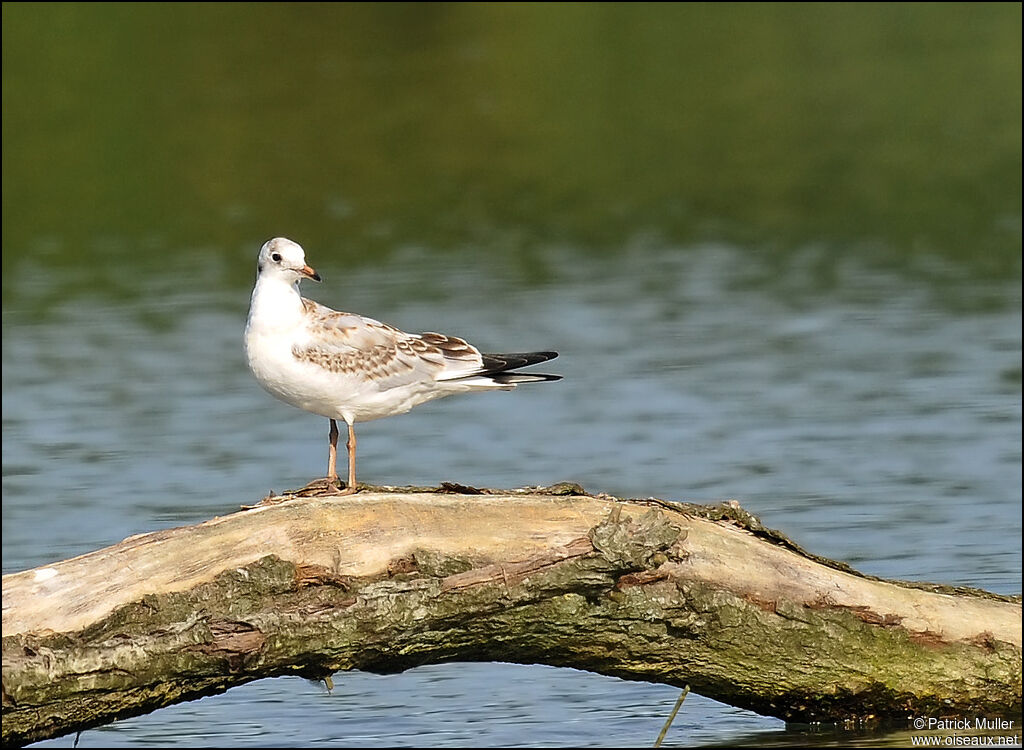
{"points": [[631, 545]]}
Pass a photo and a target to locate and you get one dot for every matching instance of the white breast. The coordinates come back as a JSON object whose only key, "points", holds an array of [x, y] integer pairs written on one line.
{"points": [[277, 325]]}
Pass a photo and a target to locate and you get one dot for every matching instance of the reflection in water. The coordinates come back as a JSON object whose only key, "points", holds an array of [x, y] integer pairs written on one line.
{"points": [[777, 247]]}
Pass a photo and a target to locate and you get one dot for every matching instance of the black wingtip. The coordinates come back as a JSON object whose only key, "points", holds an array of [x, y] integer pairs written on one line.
{"points": [[497, 363]]}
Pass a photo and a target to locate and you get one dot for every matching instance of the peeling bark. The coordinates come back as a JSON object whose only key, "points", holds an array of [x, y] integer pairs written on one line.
{"points": [[390, 579]]}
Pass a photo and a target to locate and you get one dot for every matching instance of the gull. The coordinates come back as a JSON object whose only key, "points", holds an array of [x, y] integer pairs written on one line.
{"points": [[349, 367]]}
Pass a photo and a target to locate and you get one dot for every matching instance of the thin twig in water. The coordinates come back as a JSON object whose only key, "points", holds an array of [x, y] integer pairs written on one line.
{"points": [[672, 716]]}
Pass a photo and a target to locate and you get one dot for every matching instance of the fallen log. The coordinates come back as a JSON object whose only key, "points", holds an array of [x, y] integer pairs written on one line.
{"points": [[389, 579]]}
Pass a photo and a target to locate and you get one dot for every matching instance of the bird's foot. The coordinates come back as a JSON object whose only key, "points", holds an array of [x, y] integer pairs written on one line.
{"points": [[324, 487]]}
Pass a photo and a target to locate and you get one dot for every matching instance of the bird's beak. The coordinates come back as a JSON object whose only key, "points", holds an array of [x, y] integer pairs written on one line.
{"points": [[309, 273]]}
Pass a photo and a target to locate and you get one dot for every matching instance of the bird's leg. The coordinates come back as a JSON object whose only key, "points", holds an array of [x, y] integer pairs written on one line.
{"points": [[351, 446], [332, 453], [328, 484]]}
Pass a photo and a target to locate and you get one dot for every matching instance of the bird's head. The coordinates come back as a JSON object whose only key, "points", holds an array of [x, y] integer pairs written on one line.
{"points": [[284, 259]]}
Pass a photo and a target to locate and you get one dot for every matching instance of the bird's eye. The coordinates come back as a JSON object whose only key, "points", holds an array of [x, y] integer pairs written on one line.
{"points": [[276, 257]]}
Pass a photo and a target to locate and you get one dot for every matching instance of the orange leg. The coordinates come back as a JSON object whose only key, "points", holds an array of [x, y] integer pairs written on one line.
{"points": [[350, 488], [332, 454]]}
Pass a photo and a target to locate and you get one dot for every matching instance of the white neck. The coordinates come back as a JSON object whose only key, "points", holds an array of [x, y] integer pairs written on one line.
{"points": [[275, 304]]}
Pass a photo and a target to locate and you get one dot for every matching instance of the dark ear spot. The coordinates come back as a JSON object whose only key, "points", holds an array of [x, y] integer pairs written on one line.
{"points": [[259, 268]]}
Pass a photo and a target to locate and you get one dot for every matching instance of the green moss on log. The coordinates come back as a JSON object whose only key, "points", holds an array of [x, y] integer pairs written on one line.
{"points": [[612, 602]]}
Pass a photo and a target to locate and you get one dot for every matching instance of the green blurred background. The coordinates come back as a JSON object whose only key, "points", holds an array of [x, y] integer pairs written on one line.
{"points": [[889, 130]]}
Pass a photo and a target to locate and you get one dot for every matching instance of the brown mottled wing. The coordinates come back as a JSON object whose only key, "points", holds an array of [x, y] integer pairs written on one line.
{"points": [[368, 349], [461, 359]]}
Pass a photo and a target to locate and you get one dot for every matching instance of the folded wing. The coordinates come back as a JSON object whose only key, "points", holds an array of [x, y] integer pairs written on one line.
{"points": [[368, 349]]}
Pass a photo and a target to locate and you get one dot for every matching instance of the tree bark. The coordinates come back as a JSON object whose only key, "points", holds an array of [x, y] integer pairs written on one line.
{"points": [[387, 579]]}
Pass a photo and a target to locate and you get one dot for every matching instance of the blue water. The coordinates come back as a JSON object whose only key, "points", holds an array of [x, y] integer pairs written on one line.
{"points": [[876, 422]]}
